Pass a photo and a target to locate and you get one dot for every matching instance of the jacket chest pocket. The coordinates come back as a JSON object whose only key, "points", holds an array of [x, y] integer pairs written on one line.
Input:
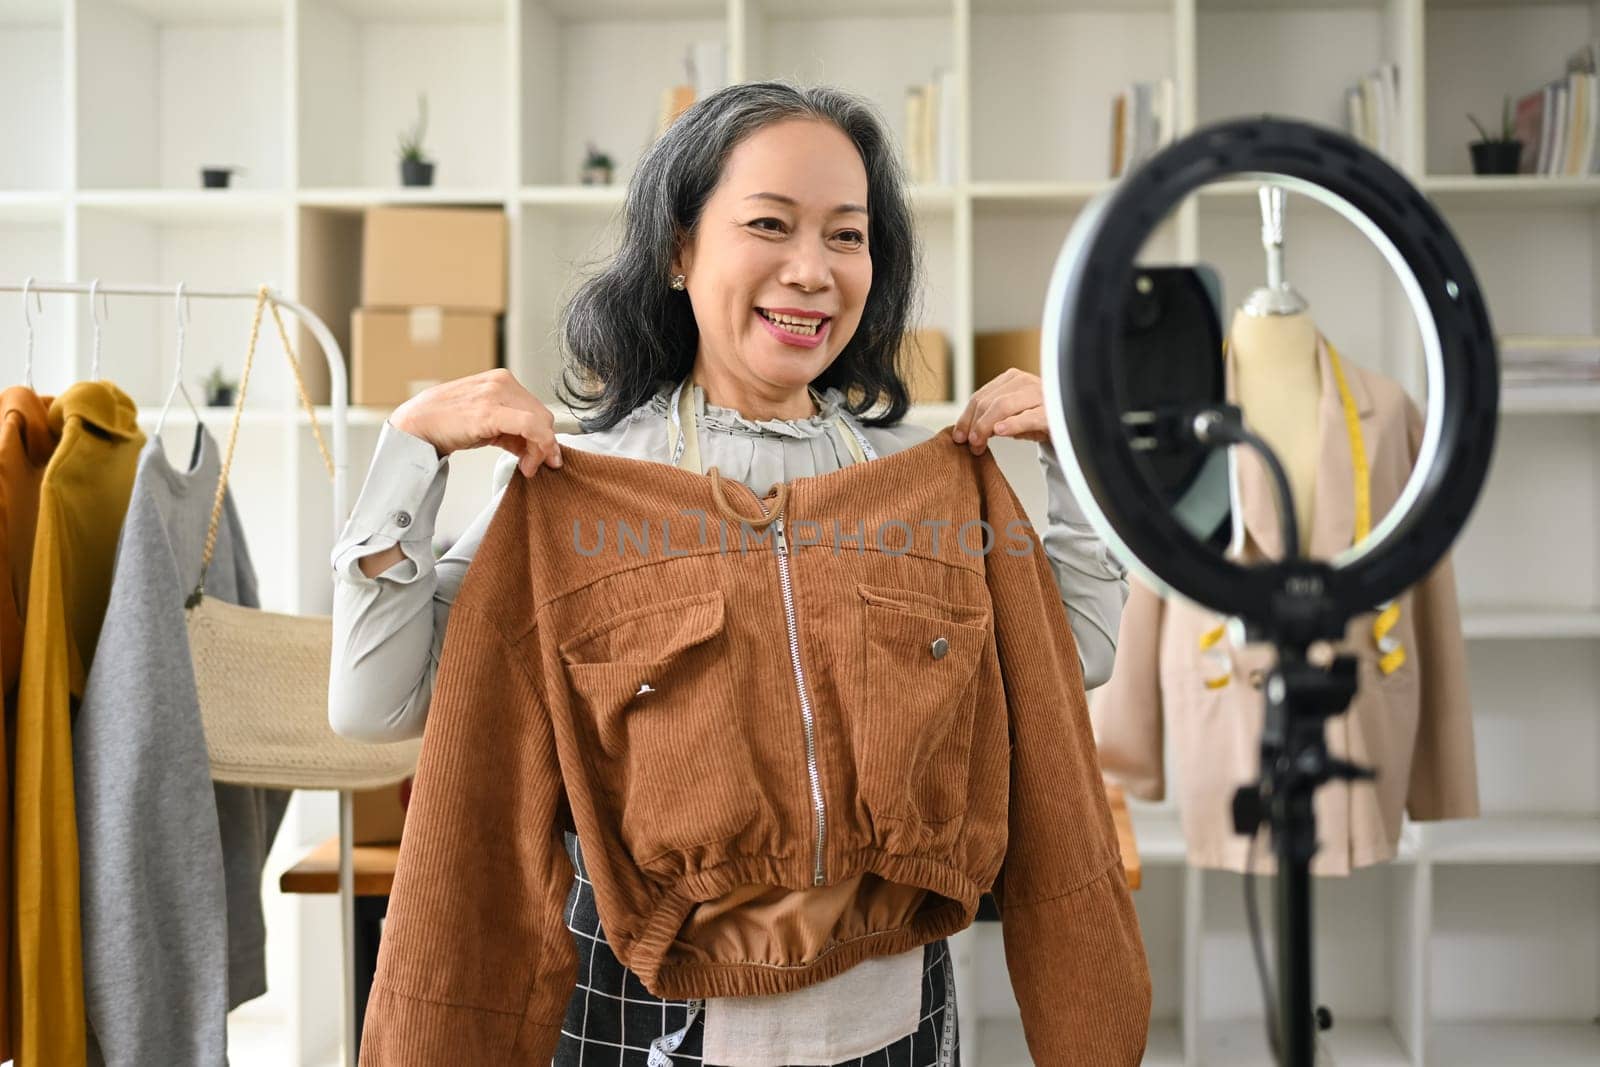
{"points": [[657, 685], [912, 729]]}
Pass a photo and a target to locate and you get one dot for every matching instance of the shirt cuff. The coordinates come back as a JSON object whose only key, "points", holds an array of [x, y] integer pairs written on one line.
{"points": [[1070, 525], [399, 505]]}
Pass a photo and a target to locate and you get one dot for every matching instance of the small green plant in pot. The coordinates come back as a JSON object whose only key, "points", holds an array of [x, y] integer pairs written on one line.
{"points": [[415, 167], [597, 167], [1496, 155], [219, 389]]}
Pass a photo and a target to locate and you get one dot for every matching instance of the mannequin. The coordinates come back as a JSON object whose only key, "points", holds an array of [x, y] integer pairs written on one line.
{"points": [[1275, 379], [1278, 385]]}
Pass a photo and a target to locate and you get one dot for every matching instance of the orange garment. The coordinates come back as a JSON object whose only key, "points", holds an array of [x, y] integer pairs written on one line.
{"points": [[82, 501], [26, 444], [811, 735]]}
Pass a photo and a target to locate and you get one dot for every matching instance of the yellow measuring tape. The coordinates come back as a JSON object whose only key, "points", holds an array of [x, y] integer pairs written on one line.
{"points": [[1392, 654]]}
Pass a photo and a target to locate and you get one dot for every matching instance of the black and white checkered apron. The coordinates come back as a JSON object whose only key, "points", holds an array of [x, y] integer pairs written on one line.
{"points": [[614, 1021]]}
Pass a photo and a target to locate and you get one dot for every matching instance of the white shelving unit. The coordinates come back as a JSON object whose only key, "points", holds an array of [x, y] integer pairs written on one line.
{"points": [[1480, 946]]}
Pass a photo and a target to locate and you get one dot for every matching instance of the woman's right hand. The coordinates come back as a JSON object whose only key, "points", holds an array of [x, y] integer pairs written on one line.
{"points": [[491, 408]]}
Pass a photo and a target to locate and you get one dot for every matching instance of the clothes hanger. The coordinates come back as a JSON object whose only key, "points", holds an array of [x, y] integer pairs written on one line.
{"points": [[181, 309], [27, 318], [1277, 297], [95, 317]]}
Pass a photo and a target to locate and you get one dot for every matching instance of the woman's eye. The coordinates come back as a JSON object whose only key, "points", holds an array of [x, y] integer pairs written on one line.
{"points": [[777, 225], [853, 236]]}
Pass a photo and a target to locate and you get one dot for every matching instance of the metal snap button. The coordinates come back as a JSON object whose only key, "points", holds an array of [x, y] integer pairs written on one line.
{"points": [[1258, 678], [402, 519], [939, 647]]}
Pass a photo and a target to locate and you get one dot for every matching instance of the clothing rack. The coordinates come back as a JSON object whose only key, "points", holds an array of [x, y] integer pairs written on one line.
{"points": [[341, 452]]}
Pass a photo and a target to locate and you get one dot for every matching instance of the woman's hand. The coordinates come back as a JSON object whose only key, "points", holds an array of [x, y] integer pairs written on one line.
{"points": [[1011, 405], [491, 408]]}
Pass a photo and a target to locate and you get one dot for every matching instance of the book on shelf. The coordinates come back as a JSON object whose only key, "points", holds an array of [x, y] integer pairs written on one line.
{"points": [[1372, 109], [930, 142], [1144, 118], [1559, 122], [1531, 359]]}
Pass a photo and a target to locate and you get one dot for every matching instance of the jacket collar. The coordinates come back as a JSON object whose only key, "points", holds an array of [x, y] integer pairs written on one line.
{"points": [[1333, 514], [98, 404], [31, 412]]}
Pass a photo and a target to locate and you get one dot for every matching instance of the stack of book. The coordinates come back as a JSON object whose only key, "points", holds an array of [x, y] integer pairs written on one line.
{"points": [[1527, 361], [1372, 110], [1559, 123], [1143, 119], [930, 143]]}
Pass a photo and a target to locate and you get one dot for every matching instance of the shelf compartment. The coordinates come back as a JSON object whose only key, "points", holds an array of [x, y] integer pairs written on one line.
{"points": [[1518, 552], [1367, 934], [1537, 736], [1476, 54], [875, 50], [1062, 70], [150, 113], [361, 68], [1296, 60], [32, 84], [598, 77], [1516, 945], [1496, 1044], [139, 335]]}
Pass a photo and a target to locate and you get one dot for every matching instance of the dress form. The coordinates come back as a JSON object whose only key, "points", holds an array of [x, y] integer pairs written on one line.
{"points": [[1277, 383]]}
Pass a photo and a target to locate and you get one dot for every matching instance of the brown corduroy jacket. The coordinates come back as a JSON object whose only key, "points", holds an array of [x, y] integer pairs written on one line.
{"points": [[792, 734]]}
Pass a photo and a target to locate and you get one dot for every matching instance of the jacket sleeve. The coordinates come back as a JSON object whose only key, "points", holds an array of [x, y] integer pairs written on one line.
{"points": [[1444, 770], [1127, 711], [1072, 939], [153, 903], [476, 963]]}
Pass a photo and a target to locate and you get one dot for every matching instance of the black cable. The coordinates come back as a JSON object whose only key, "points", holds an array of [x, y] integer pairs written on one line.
{"points": [[1216, 426], [1252, 915]]}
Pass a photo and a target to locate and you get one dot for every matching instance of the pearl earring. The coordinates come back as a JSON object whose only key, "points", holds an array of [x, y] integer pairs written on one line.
{"points": [[677, 281]]}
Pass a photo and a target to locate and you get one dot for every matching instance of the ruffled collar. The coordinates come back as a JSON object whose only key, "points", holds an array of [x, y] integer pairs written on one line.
{"points": [[729, 420]]}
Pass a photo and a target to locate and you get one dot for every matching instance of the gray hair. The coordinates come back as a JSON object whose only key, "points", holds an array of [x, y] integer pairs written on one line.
{"points": [[626, 331]]}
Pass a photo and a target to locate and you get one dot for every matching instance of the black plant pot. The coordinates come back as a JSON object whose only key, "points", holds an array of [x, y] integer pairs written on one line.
{"points": [[416, 172], [1496, 157], [220, 398], [216, 177]]}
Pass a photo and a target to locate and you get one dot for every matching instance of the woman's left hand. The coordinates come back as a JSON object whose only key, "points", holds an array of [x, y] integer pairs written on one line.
{"points": [[1011, 405]]}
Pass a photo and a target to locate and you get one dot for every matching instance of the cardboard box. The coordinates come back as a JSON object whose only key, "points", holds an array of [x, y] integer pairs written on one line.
{"points": [[379, 814], [434, 257], [993, 353], [395, 353], [925, 355]]}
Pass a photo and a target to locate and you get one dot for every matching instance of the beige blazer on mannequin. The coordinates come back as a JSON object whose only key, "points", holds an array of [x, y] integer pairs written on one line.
{"points": [[1412, 723]]}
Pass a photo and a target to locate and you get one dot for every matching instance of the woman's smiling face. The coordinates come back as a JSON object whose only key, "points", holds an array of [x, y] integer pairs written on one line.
{"points": [[778, 269]]}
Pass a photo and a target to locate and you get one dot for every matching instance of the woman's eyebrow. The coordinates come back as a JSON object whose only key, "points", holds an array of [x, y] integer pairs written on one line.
{"points": [[790, 201]]}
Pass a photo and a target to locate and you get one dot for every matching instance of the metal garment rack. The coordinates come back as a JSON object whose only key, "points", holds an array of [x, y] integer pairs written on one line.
{"points": [[341, 452]]}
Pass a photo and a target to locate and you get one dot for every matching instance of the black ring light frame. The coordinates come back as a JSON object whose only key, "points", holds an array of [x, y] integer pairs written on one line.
{"points": [[1293, 602], [1083, 321]]}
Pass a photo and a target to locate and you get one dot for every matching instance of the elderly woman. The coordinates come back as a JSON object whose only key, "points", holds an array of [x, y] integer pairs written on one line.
{"points": [[753, 314]]}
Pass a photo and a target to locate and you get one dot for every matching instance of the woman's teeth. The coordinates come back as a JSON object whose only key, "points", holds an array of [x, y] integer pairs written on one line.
{"points": [[803, 327]]}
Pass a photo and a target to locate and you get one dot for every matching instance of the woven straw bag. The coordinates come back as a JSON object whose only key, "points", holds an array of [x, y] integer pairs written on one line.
{"points": [[262, 677]]}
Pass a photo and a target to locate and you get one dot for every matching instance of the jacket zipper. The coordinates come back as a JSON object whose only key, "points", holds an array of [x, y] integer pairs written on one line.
{"points": [[817, 875]]}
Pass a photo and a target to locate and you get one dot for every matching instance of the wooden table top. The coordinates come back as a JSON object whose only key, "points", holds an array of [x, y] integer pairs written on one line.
{"points": [[318, 870]]}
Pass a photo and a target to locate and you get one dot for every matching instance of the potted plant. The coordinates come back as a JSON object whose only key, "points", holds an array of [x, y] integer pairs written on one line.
{"points": [[219, 389], [1496, 155], [416, 168], [596, 167]]}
